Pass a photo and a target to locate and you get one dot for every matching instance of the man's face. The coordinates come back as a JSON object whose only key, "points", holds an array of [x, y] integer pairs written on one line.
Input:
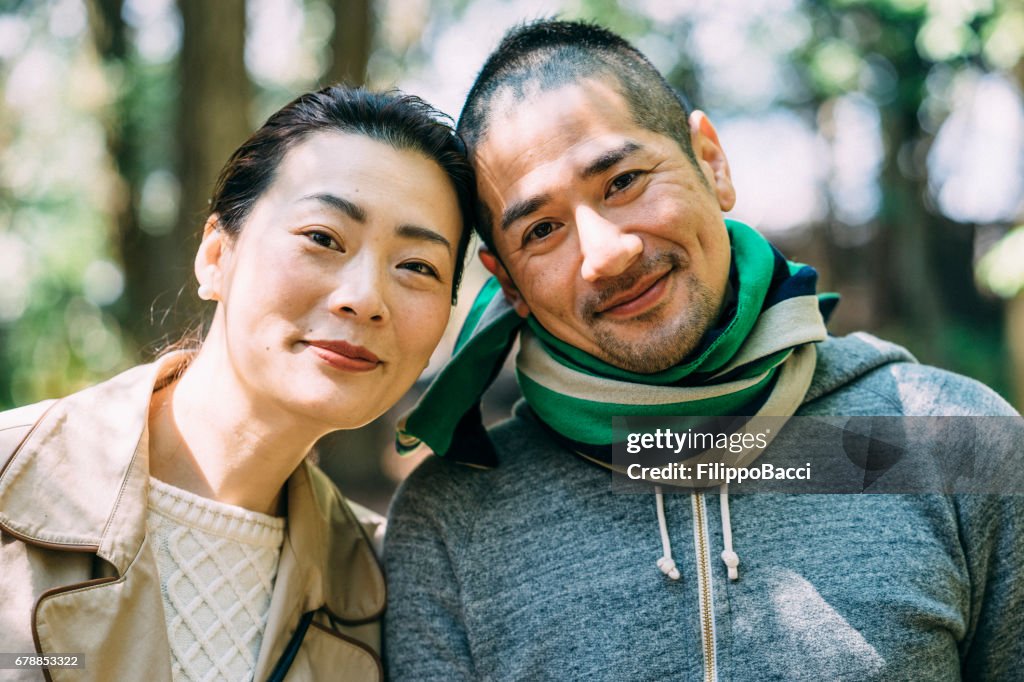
{"points": [[606, 231]]}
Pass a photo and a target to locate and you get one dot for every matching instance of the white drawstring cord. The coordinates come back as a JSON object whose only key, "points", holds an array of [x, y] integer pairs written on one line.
{"points": [[665, 563], [731, 559], [668, 565]]}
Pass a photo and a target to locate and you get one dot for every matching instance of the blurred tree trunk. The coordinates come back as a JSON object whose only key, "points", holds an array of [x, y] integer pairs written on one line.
{"points": [[110, 37], [909, 288], [108, 29], [1015, 342], [350, 46], [212, 120], [1015, 307]]}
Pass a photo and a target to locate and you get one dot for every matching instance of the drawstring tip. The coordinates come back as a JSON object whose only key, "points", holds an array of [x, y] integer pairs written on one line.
{"points": [[668, 567], [665, 563], [732, 560]]}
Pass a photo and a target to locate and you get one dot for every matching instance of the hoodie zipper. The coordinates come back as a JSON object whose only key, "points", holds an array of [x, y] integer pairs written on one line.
{"points": [[707, 616]]}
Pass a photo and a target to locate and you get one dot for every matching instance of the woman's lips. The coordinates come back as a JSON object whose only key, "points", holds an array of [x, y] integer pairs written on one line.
{"points": [[345, 356], [641, 299]]}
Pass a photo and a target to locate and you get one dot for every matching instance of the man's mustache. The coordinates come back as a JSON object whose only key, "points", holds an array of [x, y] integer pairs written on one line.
{"points": [[660, 260]]}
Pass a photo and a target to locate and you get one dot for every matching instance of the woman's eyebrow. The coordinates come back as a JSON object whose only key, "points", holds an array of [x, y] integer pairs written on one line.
{"points": [[350, 209], [359, 215], [422, 234]]}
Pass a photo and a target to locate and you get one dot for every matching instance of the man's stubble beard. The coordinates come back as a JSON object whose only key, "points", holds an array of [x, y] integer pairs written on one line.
{"points": [[666, 343]]}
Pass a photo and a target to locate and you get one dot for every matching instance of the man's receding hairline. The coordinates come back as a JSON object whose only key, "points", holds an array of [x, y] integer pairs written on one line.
{"points": [[487, 112]]}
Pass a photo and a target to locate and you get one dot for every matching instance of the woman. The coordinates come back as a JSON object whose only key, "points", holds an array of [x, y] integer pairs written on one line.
{"points": [[165, 524]]}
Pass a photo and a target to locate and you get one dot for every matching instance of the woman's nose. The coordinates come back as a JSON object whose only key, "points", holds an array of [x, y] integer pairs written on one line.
{"points": [[359, 293], [607, 250]]}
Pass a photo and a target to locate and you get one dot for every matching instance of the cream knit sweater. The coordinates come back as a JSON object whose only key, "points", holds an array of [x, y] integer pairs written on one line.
{"points": [[217, 564]]}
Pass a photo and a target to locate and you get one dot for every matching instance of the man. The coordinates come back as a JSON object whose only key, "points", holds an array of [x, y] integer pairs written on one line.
{"points": [[601, 210]]}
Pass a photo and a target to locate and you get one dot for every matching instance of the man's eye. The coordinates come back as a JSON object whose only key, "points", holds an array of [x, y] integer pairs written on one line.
{"points": [[323, 239], [421, 268], [539, 231], [624, 181]]}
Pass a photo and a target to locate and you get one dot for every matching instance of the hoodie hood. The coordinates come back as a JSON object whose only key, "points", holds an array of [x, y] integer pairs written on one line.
{"points": [[843, 360]]}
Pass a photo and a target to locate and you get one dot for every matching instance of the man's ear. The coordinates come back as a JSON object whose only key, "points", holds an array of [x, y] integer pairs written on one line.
{"points": [[508, 287], [211, 259], [711, 157]]}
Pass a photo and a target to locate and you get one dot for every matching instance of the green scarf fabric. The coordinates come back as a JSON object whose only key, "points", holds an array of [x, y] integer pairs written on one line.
{"points": [[758, 361]]}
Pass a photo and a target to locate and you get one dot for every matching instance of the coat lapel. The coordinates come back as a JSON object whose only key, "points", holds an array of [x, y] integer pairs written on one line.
{"points": [[119, 621], [327, 563]]}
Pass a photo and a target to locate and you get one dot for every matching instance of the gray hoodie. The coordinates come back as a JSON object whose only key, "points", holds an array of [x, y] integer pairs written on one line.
{"points": [[537, 570]]}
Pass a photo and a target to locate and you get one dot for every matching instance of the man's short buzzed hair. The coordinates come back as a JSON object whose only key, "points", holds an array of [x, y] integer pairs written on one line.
{"points": [[548, 54]]}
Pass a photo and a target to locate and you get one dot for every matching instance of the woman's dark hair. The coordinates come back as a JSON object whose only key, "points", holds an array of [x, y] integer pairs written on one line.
{"points": [[396, 119]]}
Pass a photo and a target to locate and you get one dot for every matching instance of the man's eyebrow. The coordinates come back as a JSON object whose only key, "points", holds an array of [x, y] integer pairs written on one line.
{"points": [[422, 234], [609, 159], [521, 209], [337, 203]]}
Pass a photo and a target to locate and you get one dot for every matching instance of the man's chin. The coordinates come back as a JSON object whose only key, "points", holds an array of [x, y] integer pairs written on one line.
{"points": [[648, 348], [642, 357]]}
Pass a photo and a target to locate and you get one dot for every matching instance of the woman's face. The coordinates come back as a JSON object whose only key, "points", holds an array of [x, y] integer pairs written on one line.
{"points": [[338, 288]]}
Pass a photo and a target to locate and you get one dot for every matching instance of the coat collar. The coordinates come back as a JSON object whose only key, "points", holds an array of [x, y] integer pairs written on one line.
{"points": [[80, 481]]}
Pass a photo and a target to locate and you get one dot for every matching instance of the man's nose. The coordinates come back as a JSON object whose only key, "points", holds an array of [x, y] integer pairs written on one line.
{"points": [[607, 249], [359, 291]]}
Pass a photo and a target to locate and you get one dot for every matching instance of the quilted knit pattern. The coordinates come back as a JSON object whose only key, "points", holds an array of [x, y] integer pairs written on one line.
{"points": [[217, 564]]}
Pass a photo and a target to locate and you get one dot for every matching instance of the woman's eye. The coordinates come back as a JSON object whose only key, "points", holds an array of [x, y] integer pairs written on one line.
{"points": [[624, 181], [323, 239], [421, 268], [539, 231]]}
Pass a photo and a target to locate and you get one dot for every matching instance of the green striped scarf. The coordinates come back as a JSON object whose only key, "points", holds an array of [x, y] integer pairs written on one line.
{"points": [[758, 361]]}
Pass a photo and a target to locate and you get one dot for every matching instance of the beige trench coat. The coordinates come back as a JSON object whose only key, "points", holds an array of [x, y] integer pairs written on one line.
{"points": [[79, 575]]}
